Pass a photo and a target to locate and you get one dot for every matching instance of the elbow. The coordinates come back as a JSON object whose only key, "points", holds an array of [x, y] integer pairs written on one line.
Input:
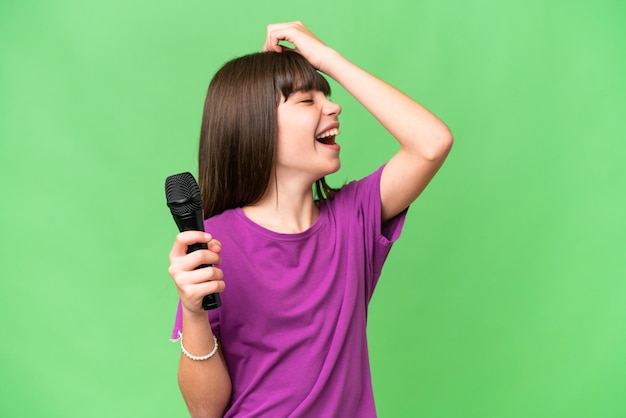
{"points": [[439, 146], [206, 404]]}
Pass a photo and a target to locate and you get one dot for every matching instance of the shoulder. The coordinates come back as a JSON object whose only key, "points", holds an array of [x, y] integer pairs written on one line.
{"points": [[366, 186], [223, 221]]}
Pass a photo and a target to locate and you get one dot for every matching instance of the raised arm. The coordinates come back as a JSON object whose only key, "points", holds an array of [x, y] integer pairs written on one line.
{"points": [[424, 139]]}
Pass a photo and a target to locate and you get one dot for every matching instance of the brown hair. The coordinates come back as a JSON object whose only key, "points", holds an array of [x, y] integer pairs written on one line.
{"points": [[239, 127]]}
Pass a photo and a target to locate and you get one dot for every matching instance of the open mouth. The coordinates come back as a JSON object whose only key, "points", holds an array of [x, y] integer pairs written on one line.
{"points": [[328, 137]]}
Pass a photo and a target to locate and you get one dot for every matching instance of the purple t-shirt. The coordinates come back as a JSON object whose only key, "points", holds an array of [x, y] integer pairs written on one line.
{"points": [[293, 316]]}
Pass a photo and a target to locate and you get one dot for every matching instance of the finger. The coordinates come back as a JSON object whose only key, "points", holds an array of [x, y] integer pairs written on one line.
{"points": [[272, 46], [279, 32], [199, 276], [185, 239], [194, 260], [271, 43], [192, 296], [215, 246], [193, 286]]}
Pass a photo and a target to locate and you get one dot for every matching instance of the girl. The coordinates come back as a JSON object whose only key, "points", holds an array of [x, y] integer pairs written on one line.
{"points": [[296, 268]]}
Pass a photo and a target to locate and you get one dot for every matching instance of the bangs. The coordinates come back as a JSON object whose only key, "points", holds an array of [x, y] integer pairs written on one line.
{"points": [[294, 73]]}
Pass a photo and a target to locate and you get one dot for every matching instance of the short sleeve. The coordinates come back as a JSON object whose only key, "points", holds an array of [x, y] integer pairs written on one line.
{"points": [[362, 198]]}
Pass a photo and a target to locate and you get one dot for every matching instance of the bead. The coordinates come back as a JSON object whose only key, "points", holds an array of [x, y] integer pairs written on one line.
{"points": [[198, 358]]}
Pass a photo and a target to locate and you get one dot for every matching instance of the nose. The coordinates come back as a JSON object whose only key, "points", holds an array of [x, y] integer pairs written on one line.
{"points": [[331, 108]]}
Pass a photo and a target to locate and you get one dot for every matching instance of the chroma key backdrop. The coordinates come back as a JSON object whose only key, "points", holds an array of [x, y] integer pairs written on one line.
{"points": [[505, 296]]}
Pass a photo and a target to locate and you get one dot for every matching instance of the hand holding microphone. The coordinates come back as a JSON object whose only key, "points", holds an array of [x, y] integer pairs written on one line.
{"points": [[194, 250]]}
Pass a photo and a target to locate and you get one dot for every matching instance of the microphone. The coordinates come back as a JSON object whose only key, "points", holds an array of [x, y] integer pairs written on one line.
{"points": [[183, 198]]}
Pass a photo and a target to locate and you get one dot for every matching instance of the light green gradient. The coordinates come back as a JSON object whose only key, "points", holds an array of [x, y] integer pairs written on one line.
{"points": [[505, 296]]}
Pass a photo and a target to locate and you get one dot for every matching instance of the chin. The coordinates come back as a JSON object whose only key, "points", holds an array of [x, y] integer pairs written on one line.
{"points": [[335, 168]]}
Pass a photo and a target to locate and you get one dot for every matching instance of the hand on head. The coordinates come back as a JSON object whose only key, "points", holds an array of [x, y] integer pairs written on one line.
{"points": [[305, 42]]}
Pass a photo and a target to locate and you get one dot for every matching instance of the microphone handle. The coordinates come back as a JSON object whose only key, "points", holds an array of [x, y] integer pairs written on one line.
{"points": [[210, 301]]}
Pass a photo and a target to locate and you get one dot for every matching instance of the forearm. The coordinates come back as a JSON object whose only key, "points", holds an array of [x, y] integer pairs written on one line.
{"points": [[416, 129], [205, 385]]}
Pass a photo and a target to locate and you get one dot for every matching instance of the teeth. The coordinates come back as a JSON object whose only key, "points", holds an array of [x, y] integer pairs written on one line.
{"points": [[330, 132]]}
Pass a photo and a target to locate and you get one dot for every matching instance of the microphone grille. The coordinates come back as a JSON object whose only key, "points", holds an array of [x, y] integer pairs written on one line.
{"points": [[182, 194]]}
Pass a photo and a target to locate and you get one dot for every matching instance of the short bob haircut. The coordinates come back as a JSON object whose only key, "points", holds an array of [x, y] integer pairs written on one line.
{"points": [[239, 127]]}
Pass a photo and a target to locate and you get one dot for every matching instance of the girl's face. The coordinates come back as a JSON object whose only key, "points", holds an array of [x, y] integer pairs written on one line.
{"points": [[307, 127]]}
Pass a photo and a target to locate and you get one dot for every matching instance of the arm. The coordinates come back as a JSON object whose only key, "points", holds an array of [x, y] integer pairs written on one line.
{"points": [[424, 139], [205, 385]]}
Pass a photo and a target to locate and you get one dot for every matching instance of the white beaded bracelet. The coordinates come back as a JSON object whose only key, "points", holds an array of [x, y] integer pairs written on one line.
{"points": [[197, 358]]}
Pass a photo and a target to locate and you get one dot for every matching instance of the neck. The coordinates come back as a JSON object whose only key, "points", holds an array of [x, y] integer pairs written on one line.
{"points": [[284, 208]]}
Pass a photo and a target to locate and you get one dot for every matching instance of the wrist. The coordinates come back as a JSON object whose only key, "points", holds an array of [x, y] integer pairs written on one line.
{"points": [[195, 317], [330, 60]]}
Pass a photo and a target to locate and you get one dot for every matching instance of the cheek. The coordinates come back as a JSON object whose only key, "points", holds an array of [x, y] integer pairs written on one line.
{"points": [[291, 123], [291, 145], [295, 134]]}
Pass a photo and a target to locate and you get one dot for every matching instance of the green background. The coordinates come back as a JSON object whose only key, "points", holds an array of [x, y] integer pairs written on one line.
{"points": [[506, 294]]}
